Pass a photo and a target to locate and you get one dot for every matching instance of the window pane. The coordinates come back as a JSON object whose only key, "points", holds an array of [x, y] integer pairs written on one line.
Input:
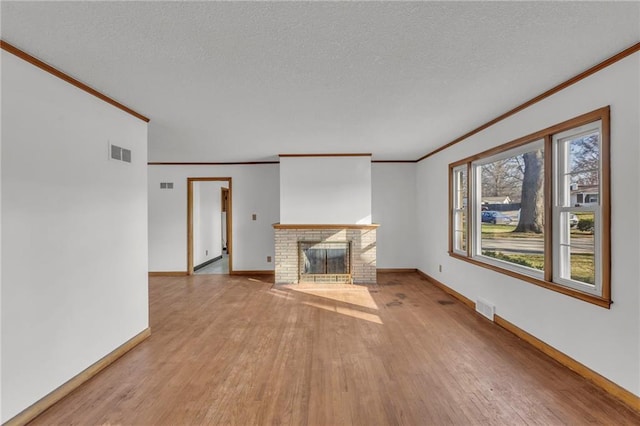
{"points": [[581, 180], [512, 204], [461, 240], [585, 189], [461, 220], [460, 189], [584, 153], [577, 247], [580, 168], [583, 267]]}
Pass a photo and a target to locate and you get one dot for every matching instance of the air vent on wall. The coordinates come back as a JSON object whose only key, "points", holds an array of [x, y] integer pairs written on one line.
{"points": [[485, 308], [119, 153], [166, 185], [116, 152]]}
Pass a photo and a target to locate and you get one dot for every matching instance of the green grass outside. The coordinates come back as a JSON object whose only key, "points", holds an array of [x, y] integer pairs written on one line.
{"points": [[584, 215], [490, 231], [497, 229], [582, 265]]}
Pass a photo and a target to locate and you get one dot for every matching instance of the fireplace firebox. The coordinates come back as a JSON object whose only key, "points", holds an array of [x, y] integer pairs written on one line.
{"points": [[359, 265], [324, 261]]}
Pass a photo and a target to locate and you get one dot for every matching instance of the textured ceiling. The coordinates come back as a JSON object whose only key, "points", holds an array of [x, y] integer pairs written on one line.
{"points": [[236, 81]]}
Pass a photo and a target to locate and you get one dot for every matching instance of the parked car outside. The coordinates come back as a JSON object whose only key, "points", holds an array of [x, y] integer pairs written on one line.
{"points": [[495, 217]]}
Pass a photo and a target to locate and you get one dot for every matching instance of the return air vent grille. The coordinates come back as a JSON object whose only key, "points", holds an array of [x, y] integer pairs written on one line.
{"points": [[120, 154], [116, 152], [485, 308]]}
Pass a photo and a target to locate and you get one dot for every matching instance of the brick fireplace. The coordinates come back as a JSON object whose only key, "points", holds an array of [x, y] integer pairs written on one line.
{"points": [[318, 194], [294, 264]]}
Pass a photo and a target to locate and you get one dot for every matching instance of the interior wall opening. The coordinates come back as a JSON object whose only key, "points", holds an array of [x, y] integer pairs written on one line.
{"points": [[209, 233]]}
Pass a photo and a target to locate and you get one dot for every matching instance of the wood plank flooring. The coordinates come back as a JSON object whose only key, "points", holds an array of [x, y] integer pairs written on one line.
{"points": [[239, 351]]}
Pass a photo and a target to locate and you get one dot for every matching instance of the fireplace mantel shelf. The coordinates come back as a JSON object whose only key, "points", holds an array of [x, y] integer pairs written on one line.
{"points": [[324, 226]]}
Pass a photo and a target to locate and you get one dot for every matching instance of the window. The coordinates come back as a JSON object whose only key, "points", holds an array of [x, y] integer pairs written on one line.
{"points": [[510, 228], [577, 166], [460, 212], [537, 208]]}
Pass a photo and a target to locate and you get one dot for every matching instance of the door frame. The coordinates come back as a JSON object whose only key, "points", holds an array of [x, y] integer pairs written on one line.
{"points": [[190, 181], [224, 203]]}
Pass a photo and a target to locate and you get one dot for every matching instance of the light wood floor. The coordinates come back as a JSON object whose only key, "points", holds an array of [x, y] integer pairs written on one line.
{"points": [[234, 350]]}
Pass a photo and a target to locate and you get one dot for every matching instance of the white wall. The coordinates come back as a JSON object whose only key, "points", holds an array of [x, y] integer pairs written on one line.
{"points": [[1, 399], [607, 341], [325, 190], [255, 189], [74, 242], [207, 221], [394, 208]]}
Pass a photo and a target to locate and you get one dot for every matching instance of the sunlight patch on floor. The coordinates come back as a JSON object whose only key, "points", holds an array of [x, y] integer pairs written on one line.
{"points": [[353, 313], [279, 293], [353, 295]]}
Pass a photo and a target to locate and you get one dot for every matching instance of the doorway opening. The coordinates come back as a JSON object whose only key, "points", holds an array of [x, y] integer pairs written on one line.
{"points": [[209, 225]]}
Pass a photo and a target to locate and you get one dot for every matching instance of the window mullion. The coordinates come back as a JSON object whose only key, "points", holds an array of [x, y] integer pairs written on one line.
{"points": [[548, 208], [470, 202], [475, 216]]}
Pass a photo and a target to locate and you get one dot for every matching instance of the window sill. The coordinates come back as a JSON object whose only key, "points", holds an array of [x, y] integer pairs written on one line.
{"points": [[599, 301]]}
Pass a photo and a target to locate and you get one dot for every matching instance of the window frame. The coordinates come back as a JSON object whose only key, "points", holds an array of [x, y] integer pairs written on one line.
{"points": [[601, 293], [559, 170], [455, 183], [476, 170]]}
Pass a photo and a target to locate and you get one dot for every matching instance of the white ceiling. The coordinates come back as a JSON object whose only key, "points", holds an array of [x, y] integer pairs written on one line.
{"points": [[233, 81]]}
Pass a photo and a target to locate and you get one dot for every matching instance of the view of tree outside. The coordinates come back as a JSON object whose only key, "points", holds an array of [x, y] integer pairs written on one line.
{"points": [[532, 199], [584, 154], [503, 178], [515, 234]]}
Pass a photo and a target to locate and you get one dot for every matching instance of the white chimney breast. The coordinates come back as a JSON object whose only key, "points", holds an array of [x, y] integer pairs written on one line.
{"points": [[325, 190]]}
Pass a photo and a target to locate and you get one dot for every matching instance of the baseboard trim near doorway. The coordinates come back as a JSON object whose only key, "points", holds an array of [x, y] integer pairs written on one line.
{"points": [[168, 274], [395, 270], [74, 383], [256, 272], [208, 262], [616, 391]]}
